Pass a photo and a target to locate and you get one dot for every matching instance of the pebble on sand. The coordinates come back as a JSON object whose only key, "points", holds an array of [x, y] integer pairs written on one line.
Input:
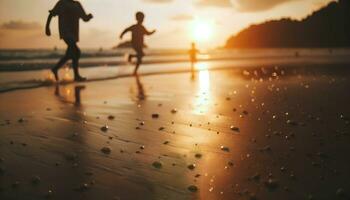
{"points": [[291, 122], [174, 110], [155, 115], [106, 150], [104, 128], [223, 148], [234, 128], [271, 183], [340, 192], [157, 164], [191, 166], [36, 179], [198, 155], [111, 117], [192, 188], [49, 194]]}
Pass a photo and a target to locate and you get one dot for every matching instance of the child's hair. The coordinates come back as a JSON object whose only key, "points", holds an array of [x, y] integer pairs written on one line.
{"points": [[140, 16]]}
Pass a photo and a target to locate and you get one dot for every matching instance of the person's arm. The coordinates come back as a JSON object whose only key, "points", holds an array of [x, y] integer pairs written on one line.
{"points": [[48, 22], [149, 32], [124, 32], [85, 17], [54, 12]]}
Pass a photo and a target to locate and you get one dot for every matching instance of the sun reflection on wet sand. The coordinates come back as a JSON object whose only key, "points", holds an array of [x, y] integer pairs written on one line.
{"points": [[203, 97]]}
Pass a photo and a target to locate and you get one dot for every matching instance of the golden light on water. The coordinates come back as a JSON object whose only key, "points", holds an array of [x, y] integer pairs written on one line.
{"points": [[203, 97]]}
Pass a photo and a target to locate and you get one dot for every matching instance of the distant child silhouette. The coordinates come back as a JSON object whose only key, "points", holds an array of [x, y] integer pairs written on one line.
{"points": [[193, 56], [138, 31], [69, 13]]}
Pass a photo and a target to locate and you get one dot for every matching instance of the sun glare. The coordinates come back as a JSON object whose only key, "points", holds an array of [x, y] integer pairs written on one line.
{"points": [[202, 31]]}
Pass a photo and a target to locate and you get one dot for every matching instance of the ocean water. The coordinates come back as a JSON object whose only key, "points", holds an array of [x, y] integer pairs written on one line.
{"points": [[21, 69]]}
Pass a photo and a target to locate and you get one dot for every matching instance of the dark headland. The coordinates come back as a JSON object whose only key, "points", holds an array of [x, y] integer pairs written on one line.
{"points": [[327, 27]]}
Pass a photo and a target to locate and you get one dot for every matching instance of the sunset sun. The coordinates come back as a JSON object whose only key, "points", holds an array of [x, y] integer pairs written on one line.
{"points": [[202, 31]]}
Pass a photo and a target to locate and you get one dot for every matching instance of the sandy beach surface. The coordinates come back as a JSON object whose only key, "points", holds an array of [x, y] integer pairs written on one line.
{"points": [[256, 133]]}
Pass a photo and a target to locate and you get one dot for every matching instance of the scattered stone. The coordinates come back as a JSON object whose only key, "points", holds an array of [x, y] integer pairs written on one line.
{"points": [[230, 163], [197, 175], [142, 147], [256, 177], [111, 117], [21, 120], [271, 183], [223, 148], [106, 150], [198, 155], [234, 128], [83, 187], [89, 173], [36, 180], [157, 164], [192, 188], [71, 156], [155, 116], [283, 169], [166, 142], [161, 128], [191, 166], [292, 123], [252, 196], [340, 192], [174, 110], [49, 194], [104, 128]]}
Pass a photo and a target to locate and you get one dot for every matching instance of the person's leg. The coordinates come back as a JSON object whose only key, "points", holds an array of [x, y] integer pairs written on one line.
{"points": [[76, 53], [61, 62], [139, 56]]}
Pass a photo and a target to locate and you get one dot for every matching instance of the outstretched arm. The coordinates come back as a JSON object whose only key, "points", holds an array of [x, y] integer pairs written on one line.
{"points": [[150, 32], [125, 31], [83, 15], [48, 22], [87, 18]]}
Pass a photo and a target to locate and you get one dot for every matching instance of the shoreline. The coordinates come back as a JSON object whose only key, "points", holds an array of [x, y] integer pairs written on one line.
{"points": [[291, 142], [38, 80]]}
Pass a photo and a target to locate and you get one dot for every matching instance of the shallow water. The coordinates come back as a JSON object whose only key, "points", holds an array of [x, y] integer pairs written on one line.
{"points": [[31, 72]]}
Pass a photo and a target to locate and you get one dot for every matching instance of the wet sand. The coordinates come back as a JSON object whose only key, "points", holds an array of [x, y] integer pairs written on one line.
{"points": [[271, 133]]}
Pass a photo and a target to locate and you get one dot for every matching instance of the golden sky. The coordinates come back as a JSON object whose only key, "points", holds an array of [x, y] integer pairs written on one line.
{"points": [[178, 22]]}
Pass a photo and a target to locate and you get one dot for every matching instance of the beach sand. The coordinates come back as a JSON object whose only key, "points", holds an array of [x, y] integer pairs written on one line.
{"points": [[259, 133]]}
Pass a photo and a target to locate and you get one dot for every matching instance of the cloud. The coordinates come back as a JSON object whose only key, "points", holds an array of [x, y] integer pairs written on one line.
{"points": [[214, 3], [256, 5], [182, 17], [158, 1], [20, 25]]}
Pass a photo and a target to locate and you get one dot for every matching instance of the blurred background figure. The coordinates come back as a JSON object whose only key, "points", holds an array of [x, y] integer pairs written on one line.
{"points": [[193, 57]]}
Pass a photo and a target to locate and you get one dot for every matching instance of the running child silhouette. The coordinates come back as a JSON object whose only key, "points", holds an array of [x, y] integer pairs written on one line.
{"points": [[193, 55], [69, 13], [138, 31]]}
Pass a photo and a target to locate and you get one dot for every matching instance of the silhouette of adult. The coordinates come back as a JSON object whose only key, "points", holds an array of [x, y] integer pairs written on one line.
{"points": [[69, 13], [138, 31]]}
